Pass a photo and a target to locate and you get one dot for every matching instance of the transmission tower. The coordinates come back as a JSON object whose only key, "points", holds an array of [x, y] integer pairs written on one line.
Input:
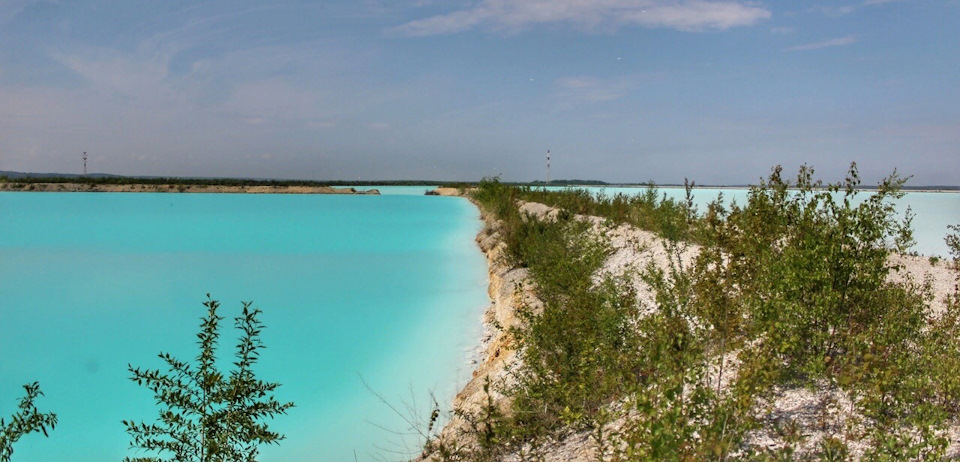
{"points": [[84, 163], [548, 166]]}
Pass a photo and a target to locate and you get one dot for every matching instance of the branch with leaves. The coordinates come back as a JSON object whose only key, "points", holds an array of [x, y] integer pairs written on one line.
{"points": [[27, 420], [206, 415]]}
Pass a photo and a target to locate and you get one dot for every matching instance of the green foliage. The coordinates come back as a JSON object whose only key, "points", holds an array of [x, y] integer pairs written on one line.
{"points": [[485, 431], [793, 284], [804, 270], [800, 274], [665, 216], [567, 378], [205, 414], [939, 347], [589, 345], [498, 199], [25, 421], [953, 243]]}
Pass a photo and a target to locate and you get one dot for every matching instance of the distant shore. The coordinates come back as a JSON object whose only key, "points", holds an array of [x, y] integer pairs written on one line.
{"points": [[180, 188]]}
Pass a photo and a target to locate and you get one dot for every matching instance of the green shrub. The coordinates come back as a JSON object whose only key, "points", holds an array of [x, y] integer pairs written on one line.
{"points": [[25, 421], [207, 415], [649, 210], [793, 282], [953, 243], [804, 270]]}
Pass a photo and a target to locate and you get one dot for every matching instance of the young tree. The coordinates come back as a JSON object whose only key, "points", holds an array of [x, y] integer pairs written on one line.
{"points": [[26, 420], [953, 243], [206, 415]]}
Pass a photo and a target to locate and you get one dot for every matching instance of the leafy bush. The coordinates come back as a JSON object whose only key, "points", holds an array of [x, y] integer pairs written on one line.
{"points": [[25, 421], [793, 283], [953, 243], [806, 271], [649, 210], [206, 415], [566, 378], [800, 274]]}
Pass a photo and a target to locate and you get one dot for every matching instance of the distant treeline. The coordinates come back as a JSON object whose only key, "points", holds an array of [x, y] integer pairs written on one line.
{"points": [[569, 182], [125, 180]]}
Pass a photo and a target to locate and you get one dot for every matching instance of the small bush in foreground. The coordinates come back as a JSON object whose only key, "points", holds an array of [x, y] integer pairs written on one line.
{"points": [[206, 415], [27, 420]]}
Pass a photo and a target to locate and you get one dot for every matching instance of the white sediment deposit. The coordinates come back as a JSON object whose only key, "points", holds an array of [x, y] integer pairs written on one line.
{"points": [[819, 411]]}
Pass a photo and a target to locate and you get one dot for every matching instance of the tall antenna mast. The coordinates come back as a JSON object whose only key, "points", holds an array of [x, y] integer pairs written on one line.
{"points": [[84, 163], [548, 166]]}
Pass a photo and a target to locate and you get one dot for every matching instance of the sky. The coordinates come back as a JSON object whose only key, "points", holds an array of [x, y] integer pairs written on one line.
{"points": [[717, 91]]}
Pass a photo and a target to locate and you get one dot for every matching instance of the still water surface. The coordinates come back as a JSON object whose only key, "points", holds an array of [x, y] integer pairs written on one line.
{"points": [[387, 290], [384, 290]]}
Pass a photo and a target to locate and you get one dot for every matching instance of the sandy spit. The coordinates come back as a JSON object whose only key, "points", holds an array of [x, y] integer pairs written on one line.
{"points": [[171, 188]]}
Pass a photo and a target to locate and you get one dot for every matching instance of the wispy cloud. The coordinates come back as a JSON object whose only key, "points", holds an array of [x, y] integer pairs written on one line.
{"points": [[11, 8], [946, 133], [592, 89], [590, 15], [284, 84], [837, 42], [128, 74], [836, 11]]}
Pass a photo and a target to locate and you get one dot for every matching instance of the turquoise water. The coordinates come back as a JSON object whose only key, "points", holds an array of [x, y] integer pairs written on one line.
{"points": [[387, 290], [933, 211]]}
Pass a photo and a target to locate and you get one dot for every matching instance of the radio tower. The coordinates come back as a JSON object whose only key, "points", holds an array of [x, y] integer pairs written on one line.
{"points": [[84, 163], [548, 166]]}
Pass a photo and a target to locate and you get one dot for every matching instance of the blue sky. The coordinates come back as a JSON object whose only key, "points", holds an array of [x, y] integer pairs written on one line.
{"points": [[619, 90]]}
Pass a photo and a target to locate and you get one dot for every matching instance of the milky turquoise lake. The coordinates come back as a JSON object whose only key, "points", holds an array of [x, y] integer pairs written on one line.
{"points": [[387, 290]]}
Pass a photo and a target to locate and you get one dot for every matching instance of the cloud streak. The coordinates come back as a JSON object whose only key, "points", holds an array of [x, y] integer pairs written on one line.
{"points": [[592, 89], [837, 42], [11, 8], [511, 16], [837, 11]]}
